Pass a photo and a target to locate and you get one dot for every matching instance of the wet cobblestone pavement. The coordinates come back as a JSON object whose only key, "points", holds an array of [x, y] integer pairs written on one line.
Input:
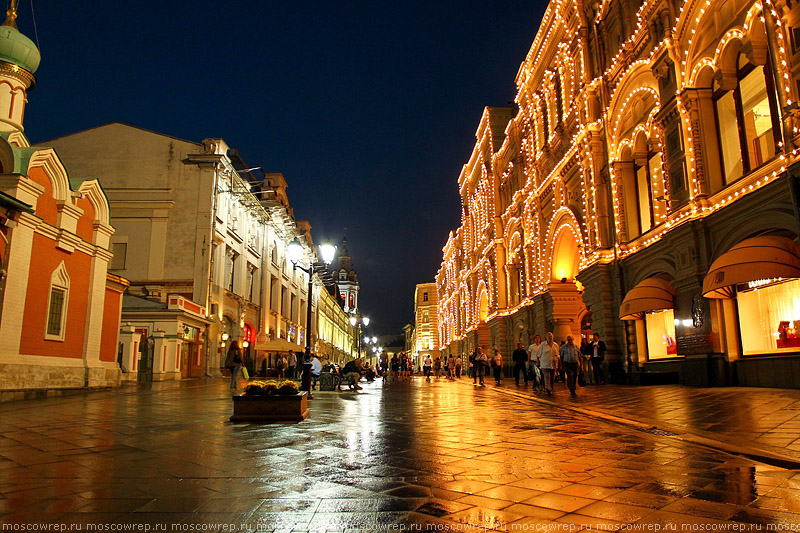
{"points": [[436, 456]]}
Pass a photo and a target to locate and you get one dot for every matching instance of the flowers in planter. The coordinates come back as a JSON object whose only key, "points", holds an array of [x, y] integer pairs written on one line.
{"points": [[270, 387]]}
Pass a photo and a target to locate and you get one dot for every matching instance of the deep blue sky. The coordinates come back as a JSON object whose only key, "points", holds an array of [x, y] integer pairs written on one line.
{"points": [[369, 109]]}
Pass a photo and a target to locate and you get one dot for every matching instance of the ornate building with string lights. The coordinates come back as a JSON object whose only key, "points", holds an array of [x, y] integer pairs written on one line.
{"points": [[642, 186]]}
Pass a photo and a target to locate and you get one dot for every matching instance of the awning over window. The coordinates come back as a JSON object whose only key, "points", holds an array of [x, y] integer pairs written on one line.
{"points": [[760, 258], [652, 294], [279, 345]]}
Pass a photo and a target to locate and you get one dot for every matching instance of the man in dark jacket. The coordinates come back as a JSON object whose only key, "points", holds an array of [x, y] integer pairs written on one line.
{"points": [[520, 359], [352, 373], [597, 352]]}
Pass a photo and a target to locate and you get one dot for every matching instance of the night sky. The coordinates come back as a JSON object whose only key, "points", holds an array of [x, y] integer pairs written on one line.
{"points": [[369, 109]]}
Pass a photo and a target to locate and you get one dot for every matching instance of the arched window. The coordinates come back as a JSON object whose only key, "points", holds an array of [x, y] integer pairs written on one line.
{"points": [[648, 176], [542, 133], [57, 304], [748, 120], [642, 187]]}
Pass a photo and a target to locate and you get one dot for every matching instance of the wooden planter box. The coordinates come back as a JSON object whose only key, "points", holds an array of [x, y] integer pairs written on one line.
{"points": [[276, 408]]}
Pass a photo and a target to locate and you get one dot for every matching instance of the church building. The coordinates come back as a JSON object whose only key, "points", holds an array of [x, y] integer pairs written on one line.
{"points": [[59, 307]]}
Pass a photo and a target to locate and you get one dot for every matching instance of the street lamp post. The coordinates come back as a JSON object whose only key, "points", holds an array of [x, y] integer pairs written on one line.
{"points": [[355, 323], [327, 251]]}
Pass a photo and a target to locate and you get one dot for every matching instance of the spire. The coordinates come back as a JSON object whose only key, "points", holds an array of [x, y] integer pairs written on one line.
{"points": [[11, 15]]}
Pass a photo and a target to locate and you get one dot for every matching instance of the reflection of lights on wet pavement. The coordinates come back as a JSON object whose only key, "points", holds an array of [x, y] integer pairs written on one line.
{"points": [[437, 453], [365, 412]]}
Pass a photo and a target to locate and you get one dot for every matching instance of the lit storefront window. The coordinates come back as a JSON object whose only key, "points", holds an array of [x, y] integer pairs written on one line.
{"points": [[769, 318], [661, 334]]}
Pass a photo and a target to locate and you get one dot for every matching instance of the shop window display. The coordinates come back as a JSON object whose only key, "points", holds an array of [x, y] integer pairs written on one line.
{"points": [[769, 317], [661, 334]]}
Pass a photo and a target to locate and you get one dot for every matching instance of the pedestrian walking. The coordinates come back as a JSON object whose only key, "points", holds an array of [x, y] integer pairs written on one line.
{"points": [[586, 352], [234, 362], [548, 359], [426, 367], [395, 366], [520, 359], [451, 367], [458, 367], [280, 365], [535, 371], [291, 364], [497, 366], [597, 354], [479, 366], [471, 363], [437, 367], [571, 360]]}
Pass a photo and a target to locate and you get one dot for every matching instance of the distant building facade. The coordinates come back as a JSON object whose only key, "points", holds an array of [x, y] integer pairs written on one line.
{"points": [[346, 279], [336, 341], [644, 185], [59, 306], [426, 322]]}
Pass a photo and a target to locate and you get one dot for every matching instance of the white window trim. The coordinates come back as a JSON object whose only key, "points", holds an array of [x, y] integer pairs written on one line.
{"points": [[59, 279]]}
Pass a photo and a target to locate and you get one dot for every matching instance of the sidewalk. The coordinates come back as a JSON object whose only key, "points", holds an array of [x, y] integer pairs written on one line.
{"points": [[760, 423], [416, 455]]}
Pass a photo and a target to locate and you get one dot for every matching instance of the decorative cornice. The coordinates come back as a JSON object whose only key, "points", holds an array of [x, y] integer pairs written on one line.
{"points": [[18, 73]]}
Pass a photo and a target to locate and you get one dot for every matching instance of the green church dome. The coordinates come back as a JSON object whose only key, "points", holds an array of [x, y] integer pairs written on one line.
{"points": [[17, 49]]}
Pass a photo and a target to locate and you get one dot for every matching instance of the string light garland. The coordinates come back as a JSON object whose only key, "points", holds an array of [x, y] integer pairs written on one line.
{"points": [[544, 178]]}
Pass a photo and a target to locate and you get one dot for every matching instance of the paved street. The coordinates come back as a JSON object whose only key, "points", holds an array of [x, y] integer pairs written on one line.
{"points": [[437, 456]]}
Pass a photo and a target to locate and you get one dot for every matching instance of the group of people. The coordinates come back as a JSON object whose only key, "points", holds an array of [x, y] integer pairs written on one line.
{"points": [[542, 363], [546, 362], [286, 365], [450, 367], [401, 367]]}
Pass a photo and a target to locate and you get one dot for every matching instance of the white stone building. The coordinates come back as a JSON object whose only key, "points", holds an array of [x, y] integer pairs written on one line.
{"points": [[203, 241]]}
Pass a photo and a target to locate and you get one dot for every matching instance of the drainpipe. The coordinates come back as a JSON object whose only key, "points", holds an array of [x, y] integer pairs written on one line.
{"points": [[4, 266], [211, 264]]}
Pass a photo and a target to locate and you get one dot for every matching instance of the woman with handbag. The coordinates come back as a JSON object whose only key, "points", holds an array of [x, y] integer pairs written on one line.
{"points": [[234, 361]]}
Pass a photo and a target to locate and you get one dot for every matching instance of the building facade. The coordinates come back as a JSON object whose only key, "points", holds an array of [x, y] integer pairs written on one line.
{"points": [[59, 307], [336, 341], [426, 323], [642, 186], [204, 240]]}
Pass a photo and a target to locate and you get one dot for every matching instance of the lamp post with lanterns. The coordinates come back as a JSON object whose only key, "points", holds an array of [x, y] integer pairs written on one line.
{"points": [[370, 341], [356, 324], [327, 251]]}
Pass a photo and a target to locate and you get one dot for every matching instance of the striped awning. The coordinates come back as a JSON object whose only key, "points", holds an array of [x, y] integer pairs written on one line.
{"points": [[759, 258], [652, 294]]}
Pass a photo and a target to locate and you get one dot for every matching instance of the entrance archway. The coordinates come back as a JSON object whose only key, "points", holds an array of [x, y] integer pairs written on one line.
{"points": [[564, 289], [483, 315], [566, 255]]}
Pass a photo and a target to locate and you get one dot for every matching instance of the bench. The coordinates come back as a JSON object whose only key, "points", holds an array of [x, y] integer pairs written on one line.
{"points": [[329, 381]]}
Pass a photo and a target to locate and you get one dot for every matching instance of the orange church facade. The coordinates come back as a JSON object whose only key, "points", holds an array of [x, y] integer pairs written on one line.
{"points": [[59, 308]]}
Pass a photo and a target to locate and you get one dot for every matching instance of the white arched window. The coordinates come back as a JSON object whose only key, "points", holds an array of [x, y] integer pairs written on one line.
{"points": [[57, 304]]}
